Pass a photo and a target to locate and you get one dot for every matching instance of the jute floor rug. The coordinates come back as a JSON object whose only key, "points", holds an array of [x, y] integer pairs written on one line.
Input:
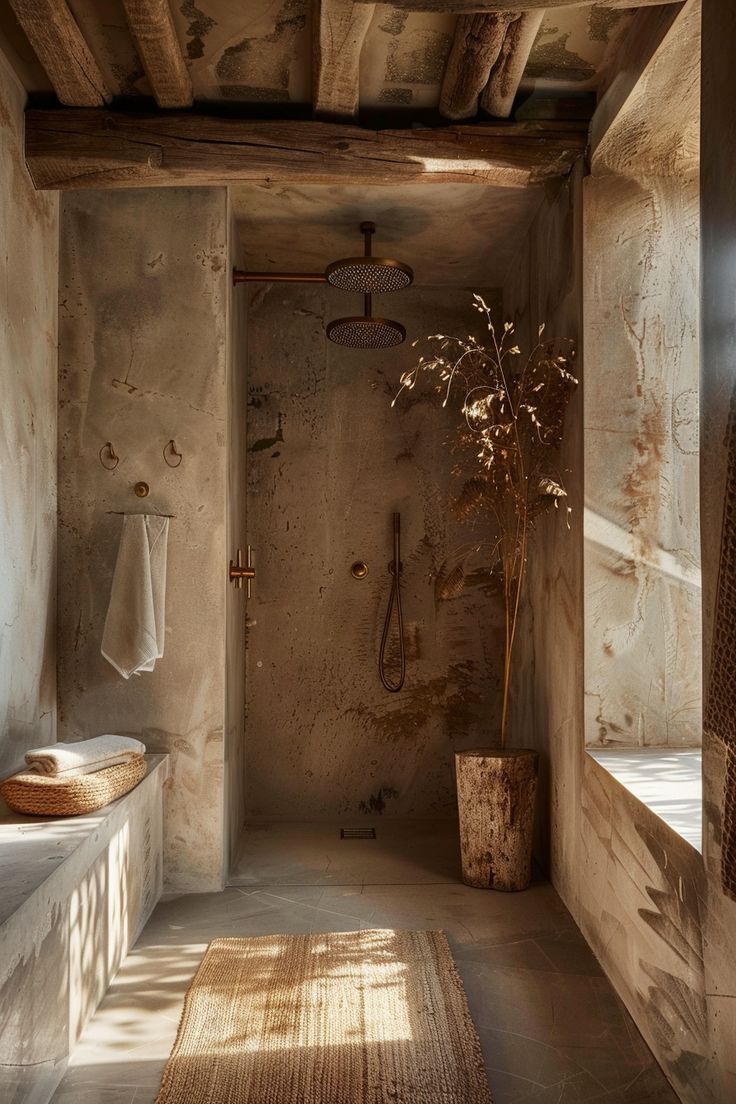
{"points": [[369, 1017]]}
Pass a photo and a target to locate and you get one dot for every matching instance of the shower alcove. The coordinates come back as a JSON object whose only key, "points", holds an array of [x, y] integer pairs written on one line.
{"points": [[328, 461]]}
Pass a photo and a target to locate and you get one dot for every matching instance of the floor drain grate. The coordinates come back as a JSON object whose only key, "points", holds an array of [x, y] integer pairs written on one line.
{"points": [[357, 833]]}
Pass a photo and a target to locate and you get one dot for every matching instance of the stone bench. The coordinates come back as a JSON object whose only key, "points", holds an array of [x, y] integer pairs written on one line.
{"points": [[74, 896]]}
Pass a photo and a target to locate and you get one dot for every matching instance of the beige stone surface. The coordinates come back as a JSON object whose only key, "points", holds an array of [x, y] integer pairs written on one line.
{"points": [[143, 359], [28, 312], [90, 884]]}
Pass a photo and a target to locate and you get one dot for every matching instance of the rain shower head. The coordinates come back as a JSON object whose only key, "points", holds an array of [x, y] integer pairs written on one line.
{"points": [[364, 332], [368, 274]]}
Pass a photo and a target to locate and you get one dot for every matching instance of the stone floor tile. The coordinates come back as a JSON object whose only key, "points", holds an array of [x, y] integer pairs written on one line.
{"points": [[551, 1027]]}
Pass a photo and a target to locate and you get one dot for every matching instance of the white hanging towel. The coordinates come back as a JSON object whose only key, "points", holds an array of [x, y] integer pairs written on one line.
{"points": [[133, 638]]}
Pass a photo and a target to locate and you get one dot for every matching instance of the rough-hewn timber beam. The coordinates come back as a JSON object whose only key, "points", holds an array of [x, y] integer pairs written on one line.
{"points": [[475, 49], [59, 45], [503, 84], [158, 47], [461, 6], [340, 27], [101, 149]]}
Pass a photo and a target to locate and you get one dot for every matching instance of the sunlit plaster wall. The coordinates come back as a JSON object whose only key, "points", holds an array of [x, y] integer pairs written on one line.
{"points": [[641, 524], [28, 316]]}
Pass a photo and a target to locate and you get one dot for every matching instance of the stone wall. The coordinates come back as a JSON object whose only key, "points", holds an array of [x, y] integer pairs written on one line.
{"points": [[651, 907], [143, 359], [28, 314], [329, 461]]}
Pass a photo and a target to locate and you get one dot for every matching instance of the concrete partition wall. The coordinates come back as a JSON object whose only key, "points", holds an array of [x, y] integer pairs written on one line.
{"points": [[653, 911], [144, 359]]}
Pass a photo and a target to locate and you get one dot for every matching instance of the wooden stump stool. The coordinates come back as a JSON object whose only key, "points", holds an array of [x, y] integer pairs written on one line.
{"points": [[496, 792]]}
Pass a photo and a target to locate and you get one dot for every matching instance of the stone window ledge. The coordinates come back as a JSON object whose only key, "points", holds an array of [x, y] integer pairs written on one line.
{"points": [[667, 780]]}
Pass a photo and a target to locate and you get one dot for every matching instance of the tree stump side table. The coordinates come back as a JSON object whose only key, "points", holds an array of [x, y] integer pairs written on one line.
{"points": [[496, 793]]}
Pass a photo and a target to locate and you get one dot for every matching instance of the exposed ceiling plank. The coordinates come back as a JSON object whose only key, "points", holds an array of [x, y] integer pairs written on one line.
{"points": [[154, 34], [101, 149], [503, 84], [59, 45], [465, 6], [340, 29], [475, 49]]}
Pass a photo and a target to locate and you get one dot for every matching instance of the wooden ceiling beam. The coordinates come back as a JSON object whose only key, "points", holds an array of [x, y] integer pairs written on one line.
{"points": [[467, 6], [157, 43], [503, 84], [476, 47], [68, 149], [340, 27], [61, 49]]}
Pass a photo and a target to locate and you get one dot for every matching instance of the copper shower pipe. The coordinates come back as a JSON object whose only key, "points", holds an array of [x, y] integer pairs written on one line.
{"points": [[240, 276]]}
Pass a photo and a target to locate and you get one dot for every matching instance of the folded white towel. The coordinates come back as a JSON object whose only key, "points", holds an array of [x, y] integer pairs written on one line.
{"points": [[84, 756], [133, 637]]}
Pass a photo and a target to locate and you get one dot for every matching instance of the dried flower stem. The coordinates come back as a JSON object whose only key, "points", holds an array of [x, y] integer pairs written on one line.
{"points": [[512, 425]]}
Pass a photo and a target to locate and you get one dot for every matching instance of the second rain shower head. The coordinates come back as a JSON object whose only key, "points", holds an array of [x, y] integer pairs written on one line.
{"points": [[367, 274], [365, 332]]}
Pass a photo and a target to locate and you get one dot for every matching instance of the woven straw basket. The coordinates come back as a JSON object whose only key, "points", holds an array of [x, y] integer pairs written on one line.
{"points": [[51, 796]]}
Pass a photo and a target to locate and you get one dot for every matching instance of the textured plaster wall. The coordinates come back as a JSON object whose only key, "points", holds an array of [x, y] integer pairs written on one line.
{"points": [[329, 460], [237, 537], [650, 906], [143, 359], [28, 313], [642, 524]]}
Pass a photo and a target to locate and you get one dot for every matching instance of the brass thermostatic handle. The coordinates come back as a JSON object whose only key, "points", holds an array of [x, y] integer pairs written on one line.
{"points": [[238, 572]]}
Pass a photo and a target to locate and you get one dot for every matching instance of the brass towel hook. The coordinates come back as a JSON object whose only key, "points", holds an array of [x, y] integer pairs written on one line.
{"points": [[108, 457], [170, 450]]}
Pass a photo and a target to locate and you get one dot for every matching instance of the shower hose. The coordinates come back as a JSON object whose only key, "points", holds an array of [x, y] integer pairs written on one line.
{"points": [[394, 600]]}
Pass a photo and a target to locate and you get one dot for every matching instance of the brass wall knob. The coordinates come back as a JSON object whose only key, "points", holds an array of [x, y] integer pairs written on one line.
{"points": [[359, 570]]}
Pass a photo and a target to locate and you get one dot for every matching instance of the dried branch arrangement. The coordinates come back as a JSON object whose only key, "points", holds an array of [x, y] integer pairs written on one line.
{"points": [[512, 414]]}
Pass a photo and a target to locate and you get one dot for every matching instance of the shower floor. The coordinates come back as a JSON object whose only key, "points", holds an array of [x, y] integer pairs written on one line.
{"points": [[312, 853]]}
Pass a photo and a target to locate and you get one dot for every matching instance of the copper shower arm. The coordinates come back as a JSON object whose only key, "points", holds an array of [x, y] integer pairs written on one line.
{"points": [[240, 276]]}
